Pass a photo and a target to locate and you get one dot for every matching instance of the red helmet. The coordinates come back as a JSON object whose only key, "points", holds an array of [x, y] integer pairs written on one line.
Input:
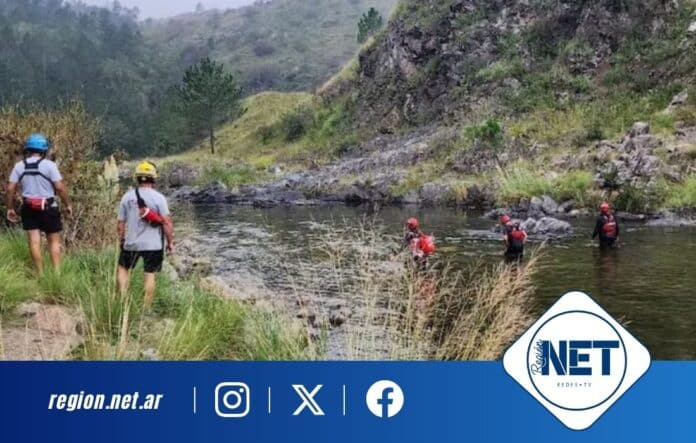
{"points": [[505, 219], [412, 223], [604, 208]]}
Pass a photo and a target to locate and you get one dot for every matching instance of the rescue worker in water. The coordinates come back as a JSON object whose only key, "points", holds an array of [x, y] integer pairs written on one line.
{"points": [[514, 238], [420, 244], [606, 228]]}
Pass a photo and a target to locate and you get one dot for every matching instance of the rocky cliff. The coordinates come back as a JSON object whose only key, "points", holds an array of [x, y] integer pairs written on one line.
{"points": [[443, 60]]}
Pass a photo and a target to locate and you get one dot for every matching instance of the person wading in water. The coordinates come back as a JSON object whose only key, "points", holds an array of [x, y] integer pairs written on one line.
{"points": [[606, 228], [514, 238]]}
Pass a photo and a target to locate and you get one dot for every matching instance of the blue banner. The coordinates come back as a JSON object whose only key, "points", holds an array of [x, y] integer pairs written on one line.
{"points": [[322, 401]]}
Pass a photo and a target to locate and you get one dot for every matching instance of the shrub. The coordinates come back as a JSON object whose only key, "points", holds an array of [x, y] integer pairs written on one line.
{"points": [[490, 131], [73, 135], [644, 199], [295, 124]]}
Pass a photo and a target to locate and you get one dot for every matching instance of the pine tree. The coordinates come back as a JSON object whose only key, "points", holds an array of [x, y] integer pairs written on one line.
{"points": [[370, 23], [208, 95]]}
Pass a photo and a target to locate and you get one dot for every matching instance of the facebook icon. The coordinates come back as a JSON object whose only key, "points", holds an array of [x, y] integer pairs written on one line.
{"points": [[385, 399]]}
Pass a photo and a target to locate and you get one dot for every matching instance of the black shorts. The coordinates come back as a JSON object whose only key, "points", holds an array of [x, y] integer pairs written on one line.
{"points": [[47, 221], [152, 260]]}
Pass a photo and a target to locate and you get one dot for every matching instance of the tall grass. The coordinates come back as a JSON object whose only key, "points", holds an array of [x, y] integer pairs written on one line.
{"points": [[574, 185], [188, 322], [521, 182], [403, 313], [682, 195]]}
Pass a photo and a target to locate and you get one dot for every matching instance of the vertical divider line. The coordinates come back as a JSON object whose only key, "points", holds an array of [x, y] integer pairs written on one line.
{"points": [[194, 401], [344, 400], [269, 400]]}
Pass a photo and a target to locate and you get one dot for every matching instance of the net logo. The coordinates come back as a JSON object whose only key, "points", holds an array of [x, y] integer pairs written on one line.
{"points": [[576, 360], [385, 399]]}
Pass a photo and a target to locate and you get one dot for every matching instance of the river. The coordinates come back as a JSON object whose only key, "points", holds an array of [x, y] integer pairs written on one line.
{"points": [[648, 284]]}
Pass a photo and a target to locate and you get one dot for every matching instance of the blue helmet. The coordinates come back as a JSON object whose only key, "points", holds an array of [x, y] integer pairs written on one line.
{"points": [[36, 142]]}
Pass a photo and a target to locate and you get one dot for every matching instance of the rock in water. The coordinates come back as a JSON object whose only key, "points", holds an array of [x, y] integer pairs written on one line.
{"points": [[550, 225], [549, 205], [546, 226]]}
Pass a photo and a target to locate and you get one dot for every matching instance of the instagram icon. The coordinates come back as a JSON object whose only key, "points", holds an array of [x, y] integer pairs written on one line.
{"points": [[232, 400]]}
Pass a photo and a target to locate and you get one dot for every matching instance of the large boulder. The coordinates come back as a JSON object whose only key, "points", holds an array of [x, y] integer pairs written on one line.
{"points": [[549, 205], [179, 174], [546, 226]]}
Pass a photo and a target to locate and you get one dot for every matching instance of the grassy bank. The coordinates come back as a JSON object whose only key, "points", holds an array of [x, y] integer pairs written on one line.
{"points": [[188, 323]]}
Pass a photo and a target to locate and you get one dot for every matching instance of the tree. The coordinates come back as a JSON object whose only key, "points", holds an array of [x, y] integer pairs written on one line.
{"points": [[370, 23], [209, 95]]}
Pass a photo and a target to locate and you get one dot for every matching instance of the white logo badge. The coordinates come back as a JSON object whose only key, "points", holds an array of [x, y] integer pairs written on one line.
{"points": [[385, 399], [576, 360]]}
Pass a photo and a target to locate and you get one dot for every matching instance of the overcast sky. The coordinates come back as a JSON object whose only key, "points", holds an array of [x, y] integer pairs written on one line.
{"points": [[167, 8]]}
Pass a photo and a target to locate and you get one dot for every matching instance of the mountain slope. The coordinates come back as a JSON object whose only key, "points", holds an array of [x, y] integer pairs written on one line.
{"points": [[485, 103], [280, 44]]}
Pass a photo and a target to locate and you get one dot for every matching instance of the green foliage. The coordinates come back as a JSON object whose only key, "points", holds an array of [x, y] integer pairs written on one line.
{"points": [[644, 199], [370, 23], [232, 177], [209, 96], [574, 185], [52, 51], [295, 124], [682, 195], [490, 131], [500, 70], [521, 182]]}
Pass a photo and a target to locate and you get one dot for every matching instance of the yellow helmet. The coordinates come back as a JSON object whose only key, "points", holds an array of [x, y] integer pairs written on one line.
{"points": [[146, 169]]}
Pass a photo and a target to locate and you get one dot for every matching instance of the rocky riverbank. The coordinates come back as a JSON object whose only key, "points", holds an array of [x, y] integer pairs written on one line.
{"points": [[375, 173]]}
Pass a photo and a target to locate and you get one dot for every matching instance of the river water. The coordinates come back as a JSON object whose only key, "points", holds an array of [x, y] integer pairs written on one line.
{"points": [[648, 284]]}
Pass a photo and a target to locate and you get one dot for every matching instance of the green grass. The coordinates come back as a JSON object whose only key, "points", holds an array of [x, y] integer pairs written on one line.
{"points": [[521, 182], [574, 185], [682, 195], [188, 323], [232, 177]]}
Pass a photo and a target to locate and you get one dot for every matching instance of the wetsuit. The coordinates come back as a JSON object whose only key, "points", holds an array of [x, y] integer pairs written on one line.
{"points": [[607, 228], [514, 241]]}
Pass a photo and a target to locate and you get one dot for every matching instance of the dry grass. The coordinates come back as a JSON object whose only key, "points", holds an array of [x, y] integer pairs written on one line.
{"points": [[402, 313], [73, 135]]}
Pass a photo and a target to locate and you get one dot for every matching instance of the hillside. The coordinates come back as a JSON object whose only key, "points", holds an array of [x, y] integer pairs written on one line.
{"points": [[292, 45], [54, 51], [483, 103]]}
